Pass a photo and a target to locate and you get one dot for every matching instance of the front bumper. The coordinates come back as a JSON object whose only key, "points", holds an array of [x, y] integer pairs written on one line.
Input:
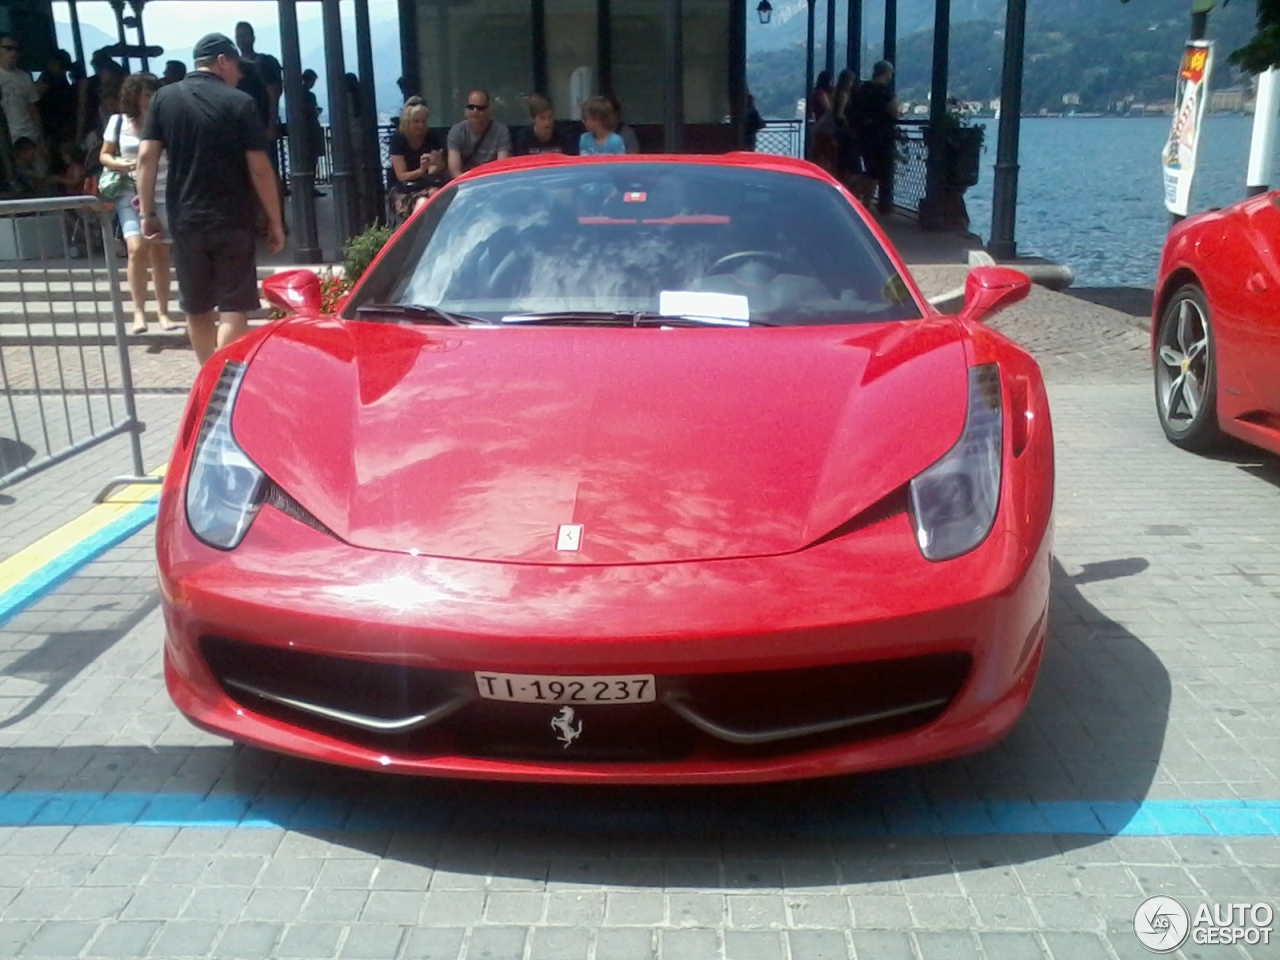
{"points": [[399, 635]]}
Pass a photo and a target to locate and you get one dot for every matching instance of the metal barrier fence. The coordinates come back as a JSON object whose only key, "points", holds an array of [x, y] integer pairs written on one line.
{"points": [[64, 357], [909, 173], [786, 137]]}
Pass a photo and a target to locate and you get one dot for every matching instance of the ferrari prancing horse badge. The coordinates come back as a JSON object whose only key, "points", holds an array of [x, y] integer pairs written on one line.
{"points": [[562, 724]]}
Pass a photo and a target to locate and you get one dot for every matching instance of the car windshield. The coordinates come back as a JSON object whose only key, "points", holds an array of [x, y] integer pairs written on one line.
{"points": [[631, 239]]}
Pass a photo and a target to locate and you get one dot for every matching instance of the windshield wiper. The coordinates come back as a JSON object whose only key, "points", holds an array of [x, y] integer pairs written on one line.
{"points": [[421, 313], [625, 318]]}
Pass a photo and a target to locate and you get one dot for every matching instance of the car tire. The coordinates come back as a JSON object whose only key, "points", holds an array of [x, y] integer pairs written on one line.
{"points": [[1185, 372]]}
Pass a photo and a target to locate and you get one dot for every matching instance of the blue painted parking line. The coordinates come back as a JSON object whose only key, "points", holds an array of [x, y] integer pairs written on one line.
{"points": [[32, 573], [1151, 818]]}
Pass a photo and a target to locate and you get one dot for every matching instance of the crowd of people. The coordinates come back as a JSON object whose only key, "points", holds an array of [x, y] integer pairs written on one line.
{"points": [[75, 134], [854, 131]]}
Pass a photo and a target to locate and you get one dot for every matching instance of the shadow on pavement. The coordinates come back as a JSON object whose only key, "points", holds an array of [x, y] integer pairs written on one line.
{"points": [[1092, 733], [1135, 301], [46, 669], [13, 455]]}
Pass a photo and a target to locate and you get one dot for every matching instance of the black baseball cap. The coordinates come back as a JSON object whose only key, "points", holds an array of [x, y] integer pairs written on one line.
{"points": [[213, 45]]}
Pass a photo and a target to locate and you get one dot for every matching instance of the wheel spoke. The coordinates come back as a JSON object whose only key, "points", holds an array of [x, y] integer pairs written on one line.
{"points": [[1185, 319], [1191, 394], [1171, 357], [1173, 397], [1198, 348]]}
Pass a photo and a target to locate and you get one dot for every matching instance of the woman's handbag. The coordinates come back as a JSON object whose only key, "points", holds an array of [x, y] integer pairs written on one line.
{"points": [[113, 184]]}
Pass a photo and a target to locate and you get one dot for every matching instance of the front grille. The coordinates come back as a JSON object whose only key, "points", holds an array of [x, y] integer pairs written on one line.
{"points": [[419, 712]]}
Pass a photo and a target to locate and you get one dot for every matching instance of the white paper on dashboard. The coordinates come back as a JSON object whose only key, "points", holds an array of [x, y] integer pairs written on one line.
{"points": [[690, 303]]}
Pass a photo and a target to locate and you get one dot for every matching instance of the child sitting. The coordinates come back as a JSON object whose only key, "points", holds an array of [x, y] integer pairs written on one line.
{"points": [[600, 120]]}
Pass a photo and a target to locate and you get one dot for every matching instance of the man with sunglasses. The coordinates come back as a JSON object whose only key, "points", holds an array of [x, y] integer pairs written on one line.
{"points": [[478, 139], [18, 95]]}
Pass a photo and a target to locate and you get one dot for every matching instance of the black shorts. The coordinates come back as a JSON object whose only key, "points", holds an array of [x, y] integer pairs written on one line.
{"points": [[216, 270]]}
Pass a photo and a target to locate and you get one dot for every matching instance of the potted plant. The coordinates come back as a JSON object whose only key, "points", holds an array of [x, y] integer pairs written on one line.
{"points": [[964, 140]]}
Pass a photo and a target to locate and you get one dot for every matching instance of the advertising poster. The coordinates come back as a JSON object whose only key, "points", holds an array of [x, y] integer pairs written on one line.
{"points": [[1190, 98]]}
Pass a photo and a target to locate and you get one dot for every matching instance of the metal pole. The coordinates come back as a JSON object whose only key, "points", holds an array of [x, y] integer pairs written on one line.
{"points": [[541, 75], [673, 139], [932, 212], [76, 38], [808, 80], [117, 7], [891, 31], [1004, 208], [344, 186], [831, 38], [738, 70], [142, 37], [368, 143], [302, 152], [1262, 147], [853, 49]]}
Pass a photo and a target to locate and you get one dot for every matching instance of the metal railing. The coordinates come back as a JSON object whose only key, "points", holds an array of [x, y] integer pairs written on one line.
{"points": [[786, 137], [909, 172], [61, 313], [783, 137]]}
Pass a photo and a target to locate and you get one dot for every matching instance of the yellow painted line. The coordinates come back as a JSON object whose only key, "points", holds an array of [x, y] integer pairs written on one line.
{"points": [[52, 549]]}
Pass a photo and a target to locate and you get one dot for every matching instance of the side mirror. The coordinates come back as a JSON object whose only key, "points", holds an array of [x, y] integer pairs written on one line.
{"points": [[988, 290], [293, 291]]}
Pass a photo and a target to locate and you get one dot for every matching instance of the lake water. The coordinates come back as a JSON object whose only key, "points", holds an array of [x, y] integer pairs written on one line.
{"points": [[1091, 193]]}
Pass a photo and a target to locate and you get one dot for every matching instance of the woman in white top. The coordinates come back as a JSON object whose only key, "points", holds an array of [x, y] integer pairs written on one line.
{"points": [[120, 152]]}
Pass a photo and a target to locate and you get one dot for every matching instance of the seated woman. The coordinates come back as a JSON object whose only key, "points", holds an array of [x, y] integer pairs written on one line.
{"points": [[417, 159]]}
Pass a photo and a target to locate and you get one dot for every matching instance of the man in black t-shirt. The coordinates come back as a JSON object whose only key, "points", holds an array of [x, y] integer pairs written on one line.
{"points": [[219, 176], [872, 115], [265, 78]]}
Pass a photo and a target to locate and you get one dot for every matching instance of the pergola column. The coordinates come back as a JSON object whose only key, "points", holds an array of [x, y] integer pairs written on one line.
{"points": [[853, 48], [410, 81], [932, 207], [371, 170], [831, 39], [891, 32], [673, 84], [302, 152], [1004, 207], [344, 186]]}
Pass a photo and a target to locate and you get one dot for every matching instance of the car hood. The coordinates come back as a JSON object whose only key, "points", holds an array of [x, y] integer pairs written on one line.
{"points": [[664, 445]]}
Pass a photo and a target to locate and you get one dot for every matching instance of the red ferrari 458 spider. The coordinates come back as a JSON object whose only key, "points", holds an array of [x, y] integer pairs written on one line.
{"points": [[622, 469], [1215, 328]]}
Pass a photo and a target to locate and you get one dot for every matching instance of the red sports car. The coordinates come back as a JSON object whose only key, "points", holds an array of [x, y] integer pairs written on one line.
{"points": [[626, 469], [1215, 328]]}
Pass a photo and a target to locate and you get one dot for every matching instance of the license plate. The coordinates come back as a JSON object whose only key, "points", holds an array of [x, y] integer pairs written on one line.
{"points": [[536, 688]]}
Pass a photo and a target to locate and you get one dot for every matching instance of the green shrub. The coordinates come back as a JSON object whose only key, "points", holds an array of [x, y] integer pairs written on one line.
{"points": [[360, 251]]}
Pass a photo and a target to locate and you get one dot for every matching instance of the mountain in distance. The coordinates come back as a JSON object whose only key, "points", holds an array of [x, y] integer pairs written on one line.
{"points": [[789, 23], [1103, 53]]}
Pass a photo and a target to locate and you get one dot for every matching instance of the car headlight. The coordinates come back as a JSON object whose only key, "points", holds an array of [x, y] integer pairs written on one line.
{"points": [[224, 487], [953, 502]]}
